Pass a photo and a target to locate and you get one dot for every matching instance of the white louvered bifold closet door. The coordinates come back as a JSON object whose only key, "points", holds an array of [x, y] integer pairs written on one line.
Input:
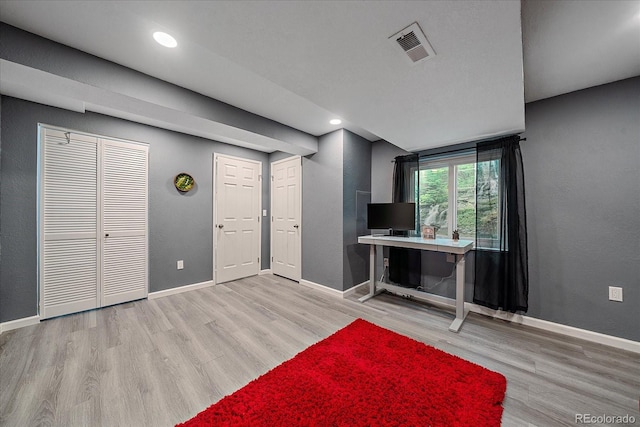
{"points": [[124, 212], [93, 213], [68, 242]]}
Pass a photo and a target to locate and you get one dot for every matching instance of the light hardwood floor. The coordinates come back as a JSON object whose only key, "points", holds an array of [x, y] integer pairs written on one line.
{"points": [[159, 362]]}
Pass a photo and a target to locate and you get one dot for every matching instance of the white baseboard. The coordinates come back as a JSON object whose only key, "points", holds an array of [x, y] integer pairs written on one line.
{"points": [[595, 337], [354, 289], [322, 288], [334, 292], [263, 272], [180, 289], [28, 321], [570, 331], [19, 323]]}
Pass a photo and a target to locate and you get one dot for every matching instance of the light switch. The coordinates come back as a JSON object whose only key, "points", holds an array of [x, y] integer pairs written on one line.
{"points": [[180, 264], [264, 212]]}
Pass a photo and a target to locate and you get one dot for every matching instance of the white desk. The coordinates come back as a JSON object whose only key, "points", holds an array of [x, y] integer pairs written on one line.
{"points": [[459, 248]]}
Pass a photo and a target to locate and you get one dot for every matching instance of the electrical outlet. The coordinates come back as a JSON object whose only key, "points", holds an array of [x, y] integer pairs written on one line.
{"points": [[385, 262], [180, 264], [615, 293]]}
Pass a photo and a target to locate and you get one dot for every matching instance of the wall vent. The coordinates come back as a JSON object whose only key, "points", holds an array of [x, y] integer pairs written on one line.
{"points": [[414, 43]]}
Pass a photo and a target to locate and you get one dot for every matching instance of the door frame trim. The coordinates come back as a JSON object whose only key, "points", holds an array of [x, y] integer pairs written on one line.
{"points": [[214, 192], [299, 260]]}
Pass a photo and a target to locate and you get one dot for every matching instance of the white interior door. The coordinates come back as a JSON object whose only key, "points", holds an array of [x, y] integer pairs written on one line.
{"points": [[286, 215], [68, 234], [124, 222], [236, 217]]}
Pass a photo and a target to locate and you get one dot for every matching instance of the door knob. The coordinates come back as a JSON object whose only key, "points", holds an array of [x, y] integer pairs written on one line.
{"points": [[296, 226], [106, 234], [220, 225]]}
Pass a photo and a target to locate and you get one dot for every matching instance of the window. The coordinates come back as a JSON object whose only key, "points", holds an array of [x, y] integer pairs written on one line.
{"points": [[447, 199]]}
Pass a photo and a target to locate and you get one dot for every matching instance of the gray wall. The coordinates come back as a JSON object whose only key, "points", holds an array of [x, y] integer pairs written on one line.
{"points": [[582, 176], [356, 193], [34, 51], [322, 212], [382, 155], [180, 225]]}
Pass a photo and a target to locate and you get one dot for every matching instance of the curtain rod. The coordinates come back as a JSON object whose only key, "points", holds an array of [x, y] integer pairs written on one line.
{"points": [[520, 140]]}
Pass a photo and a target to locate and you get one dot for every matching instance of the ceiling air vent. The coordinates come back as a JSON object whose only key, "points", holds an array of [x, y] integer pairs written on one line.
{"points": [[413, 43]]}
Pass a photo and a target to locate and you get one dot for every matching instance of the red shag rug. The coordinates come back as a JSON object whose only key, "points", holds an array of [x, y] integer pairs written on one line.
{"points": [[365, 375]]}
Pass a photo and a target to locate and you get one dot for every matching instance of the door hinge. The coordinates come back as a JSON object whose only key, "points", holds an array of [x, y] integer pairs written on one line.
{"points": [[271, 259], [271, 177], [259, 177], [258, 218]]}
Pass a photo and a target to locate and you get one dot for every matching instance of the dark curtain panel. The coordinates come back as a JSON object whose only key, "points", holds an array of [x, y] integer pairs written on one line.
{"points": [[404, 185], [405, 265], [501, 266]]}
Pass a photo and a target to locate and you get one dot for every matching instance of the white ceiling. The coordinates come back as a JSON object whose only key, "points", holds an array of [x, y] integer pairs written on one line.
{"points": [[303, 62], [572, 45]]}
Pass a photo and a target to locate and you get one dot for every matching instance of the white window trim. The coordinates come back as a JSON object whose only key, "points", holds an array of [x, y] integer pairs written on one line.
{"points": [[451, 163], [452, 211]]}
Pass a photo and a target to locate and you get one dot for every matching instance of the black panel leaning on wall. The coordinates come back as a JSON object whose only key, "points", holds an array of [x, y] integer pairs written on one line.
{"points": [[180, 226], [356, 192]]}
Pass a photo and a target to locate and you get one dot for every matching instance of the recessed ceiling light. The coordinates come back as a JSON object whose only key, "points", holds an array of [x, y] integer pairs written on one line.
{"points": [[335, 121], [165, 39]]}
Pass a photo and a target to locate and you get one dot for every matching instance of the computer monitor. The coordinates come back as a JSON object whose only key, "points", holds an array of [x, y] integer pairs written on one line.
{"points": [[394, 216]]}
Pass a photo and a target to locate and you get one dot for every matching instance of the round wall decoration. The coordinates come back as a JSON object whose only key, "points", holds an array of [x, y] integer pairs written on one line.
{"points": [[184, 182]]}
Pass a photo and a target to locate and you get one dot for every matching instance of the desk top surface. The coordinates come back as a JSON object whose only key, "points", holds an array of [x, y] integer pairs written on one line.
{"points": [[437, 245]]}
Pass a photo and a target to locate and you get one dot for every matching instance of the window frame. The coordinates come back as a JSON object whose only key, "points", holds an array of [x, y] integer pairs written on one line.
{"points": [[452, 162]]}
